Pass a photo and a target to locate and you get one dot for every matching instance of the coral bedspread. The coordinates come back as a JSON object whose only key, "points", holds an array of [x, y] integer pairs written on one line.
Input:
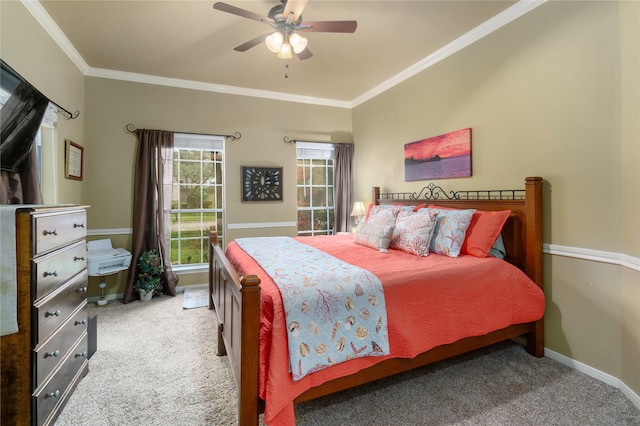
{"points": [[431, 301]]}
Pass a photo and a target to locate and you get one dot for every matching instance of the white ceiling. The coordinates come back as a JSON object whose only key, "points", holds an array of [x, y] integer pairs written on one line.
{"points": [[191, 42]]}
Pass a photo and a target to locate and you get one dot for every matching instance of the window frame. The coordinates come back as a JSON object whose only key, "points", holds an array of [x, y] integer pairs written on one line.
{"points": [[201, 142], [314, 151]]}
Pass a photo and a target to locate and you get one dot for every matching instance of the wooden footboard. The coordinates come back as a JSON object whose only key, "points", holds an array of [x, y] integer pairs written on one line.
{"points": [[237, 303]]}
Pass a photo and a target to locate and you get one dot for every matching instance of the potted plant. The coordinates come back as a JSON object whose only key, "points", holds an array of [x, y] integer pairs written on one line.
{"points": [[149, 270]]}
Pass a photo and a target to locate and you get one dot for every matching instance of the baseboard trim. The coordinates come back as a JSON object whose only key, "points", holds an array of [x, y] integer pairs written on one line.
{"points": [[596, 374]]}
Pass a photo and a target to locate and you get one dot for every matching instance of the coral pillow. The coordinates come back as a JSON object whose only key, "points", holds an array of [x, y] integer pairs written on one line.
{"points": [[413, 231], [483, 231], [450, 231]]}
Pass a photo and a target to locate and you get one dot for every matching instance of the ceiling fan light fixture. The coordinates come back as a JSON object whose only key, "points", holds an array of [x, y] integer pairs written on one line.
{"points": [[298, 43], [286, 51], [274, 41]]}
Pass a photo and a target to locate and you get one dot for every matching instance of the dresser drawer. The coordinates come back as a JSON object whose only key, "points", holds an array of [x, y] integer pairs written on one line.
{"points": [[54, 230], [49, 354], [55, 308], [48, 399], [52, 270]]}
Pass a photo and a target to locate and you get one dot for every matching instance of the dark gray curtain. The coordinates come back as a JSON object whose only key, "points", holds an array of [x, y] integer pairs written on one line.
{"points": [[343, 186], [151, 205], [20, 119]]}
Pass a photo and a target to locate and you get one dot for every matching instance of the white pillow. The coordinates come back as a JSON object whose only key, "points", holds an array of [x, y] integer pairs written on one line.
{"points": [[374, 236]]}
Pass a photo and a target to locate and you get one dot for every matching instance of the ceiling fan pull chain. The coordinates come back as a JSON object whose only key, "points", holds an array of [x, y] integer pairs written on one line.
{"points": [[286, 66]]}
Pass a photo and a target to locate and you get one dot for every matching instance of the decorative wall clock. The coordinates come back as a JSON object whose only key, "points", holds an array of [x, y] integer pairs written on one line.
{"points": [[261, 183]]}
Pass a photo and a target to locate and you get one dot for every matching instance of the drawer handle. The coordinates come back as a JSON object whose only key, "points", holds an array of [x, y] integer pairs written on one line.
{"points": [[55, 394], [82, 354], [83, 322], [47, 274], [81, 290], [52, 354], [76, 258], [54, 232], [53, 314], [78, 225]]}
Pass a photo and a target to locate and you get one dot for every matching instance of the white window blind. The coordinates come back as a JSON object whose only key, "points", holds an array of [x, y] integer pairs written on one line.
{"points": [[205, 142], [314, 150]]}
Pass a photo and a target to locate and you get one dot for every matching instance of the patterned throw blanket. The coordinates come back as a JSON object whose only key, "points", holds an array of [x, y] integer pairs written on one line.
{"points": [[334, 311]]}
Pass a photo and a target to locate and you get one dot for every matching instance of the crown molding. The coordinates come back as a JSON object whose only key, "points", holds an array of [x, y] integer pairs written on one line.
{"points": [[517, 10], [211, 87], [49, 25], [512, 13]]}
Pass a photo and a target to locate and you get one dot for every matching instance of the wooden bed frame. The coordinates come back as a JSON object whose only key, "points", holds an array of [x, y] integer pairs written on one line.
{"points": [[237, 299]]}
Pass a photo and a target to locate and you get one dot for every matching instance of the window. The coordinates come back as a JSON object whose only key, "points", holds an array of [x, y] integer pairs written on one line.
{"points": [[197, 196], [315, 188]]}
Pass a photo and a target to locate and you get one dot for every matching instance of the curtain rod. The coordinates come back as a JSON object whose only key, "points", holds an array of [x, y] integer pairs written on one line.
{"points": [[71, 116], [292, 141], [131, 128]]}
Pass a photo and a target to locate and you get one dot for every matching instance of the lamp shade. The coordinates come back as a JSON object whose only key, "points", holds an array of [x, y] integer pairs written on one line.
{"points": [[286, 52], [298, 43], [274, 42], [358, 209]]}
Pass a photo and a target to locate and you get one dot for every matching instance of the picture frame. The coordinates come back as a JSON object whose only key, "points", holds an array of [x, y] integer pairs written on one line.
{"points": [[439, 157], [74, 160], [261, 183]]}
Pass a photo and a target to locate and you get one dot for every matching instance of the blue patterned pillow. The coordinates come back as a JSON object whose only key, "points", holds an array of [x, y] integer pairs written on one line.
{"points": [[451, 228], [498, 249]]}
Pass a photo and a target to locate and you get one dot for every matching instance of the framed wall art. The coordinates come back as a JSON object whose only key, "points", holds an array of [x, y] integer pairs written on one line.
{"points": [[74, 160], [439, 157], [261, 183]]}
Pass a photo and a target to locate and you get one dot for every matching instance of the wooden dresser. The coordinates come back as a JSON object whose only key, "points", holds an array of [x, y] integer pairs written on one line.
{"points": [[43, 362]]}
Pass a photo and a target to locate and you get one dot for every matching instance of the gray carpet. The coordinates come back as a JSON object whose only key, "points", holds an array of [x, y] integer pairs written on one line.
{"points": [[156, 365]]}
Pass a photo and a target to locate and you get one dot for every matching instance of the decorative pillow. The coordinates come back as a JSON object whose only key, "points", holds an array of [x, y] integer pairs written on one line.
{"points": [[383, 215], [397, 207], [498, 249], [413, 231], [419, 206], [483, 231], [451, 228], [374, 236]]}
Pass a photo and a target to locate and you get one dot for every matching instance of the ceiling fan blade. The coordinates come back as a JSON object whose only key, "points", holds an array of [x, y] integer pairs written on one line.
{"points": [[305, 54], [328, 26], [296, 7], [251, 43], [224, 7]]}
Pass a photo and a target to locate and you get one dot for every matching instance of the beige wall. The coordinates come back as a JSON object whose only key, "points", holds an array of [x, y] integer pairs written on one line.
{"points": [[553, 94], [110, 151], [28, 49], [630, 217], [112, 104]]}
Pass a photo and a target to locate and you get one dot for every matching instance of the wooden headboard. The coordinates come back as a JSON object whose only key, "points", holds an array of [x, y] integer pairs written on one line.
{"points": [[522, 234]]}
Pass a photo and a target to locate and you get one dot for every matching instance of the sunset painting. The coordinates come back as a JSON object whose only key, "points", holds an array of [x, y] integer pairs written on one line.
{"points": [[439, 157]]}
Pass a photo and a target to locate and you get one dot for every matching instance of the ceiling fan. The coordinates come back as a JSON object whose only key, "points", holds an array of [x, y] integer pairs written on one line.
{"points": [[286, 21]]}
